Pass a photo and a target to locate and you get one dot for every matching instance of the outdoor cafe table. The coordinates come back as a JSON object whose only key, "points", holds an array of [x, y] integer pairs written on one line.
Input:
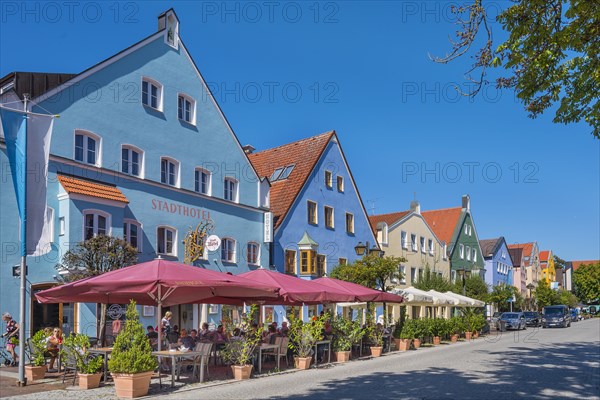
{"points": [[266, 346], [328, 343], [104, 351], [174, 355]]}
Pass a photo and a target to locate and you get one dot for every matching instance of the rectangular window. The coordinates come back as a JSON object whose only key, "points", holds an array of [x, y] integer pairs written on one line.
{"points": [[230, 189], [404, 239], [420, 274], [413, 241], [468, 253], [413, 275], [349, 223], [202, 181], [95, 224], [290, 262], [329, 217], [252, 253], [85, 149], [308, 261], [328, 179], [422, 244], [461, 251], [165, 241], [430, 246], [466, 229], [61, 226], [184, 109], [228, 250], [168, 172], [342, 261], [131, 233], [130, 161], [311, 212], [340, 184], [321, 267], [474, 254], [402, 270], [150, 94]]}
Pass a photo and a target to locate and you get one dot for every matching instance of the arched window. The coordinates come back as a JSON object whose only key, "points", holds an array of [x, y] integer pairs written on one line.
{"points": [[166, 240], [169, 171], [132, 233], [152, 93], [253, 253], [87, 148], [132, 160], [186, 108], [230, 189], [202, 181], [95, 222], [228, 253]]}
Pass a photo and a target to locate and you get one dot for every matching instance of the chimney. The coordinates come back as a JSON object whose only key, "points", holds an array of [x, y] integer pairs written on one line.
{"points": [[466, 202], [248, 149], [415, 207]]}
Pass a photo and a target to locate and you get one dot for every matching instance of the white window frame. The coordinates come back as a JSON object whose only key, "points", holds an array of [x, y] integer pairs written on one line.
{"points": [[174, 249], [422, 244], [233, 253], [413, 242], [190, 99], [159, 91], [177, 171], [468, 252], [130, 148], [127, 235], [96, 213], [316, 207], [98, 152], [445, 252], [461, 251], [257, 261], [474, 254], [201, 170], [402, 270], [340, 183], [431, 245], [62, 227], [235, 189], [328, 179], [404, 239], [384, 234], [348, 230], [332, 226]]}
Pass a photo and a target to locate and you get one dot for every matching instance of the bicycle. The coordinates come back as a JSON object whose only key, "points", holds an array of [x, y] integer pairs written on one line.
{"points": [[5, 356]]}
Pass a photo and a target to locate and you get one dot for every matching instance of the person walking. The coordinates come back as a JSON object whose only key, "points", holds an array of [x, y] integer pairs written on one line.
{"points": [[12, 332]]}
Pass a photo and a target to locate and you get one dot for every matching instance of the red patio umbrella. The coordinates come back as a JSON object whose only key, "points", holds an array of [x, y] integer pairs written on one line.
{"points": [[296, 291], [360, 292]]}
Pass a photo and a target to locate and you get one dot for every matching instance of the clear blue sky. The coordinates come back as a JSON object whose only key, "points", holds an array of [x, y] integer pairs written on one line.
{"points": [[296, 69]]}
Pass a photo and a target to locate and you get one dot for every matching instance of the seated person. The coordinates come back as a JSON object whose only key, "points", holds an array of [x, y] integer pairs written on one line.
{"points": [[152, 336], [219, 337], [270, 335], [185, 340], [194, 335], [204, 332], [52, 347], [284, 329]]}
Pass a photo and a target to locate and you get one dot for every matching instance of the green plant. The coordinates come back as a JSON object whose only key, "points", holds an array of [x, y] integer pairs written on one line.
{"points": [[132, 353], [408, 329], [421, 328], [346, 333], [38, 348], [456, 325], [437, 326], [304, 335], [240, 351], [76, 347]]}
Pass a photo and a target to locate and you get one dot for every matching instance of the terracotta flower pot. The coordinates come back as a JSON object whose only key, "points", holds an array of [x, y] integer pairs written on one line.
{"points": [[437, 340], [454, 338], [475, 334], [417, 343], [376, 351], [129, 386], [342, 356], [468, 335], [403, 344], [89, 381], [241, 372], [33, 373], [302, 362]]}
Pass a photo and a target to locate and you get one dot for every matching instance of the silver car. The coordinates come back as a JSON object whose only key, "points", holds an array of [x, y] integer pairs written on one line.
{"points": [[512, 320]]}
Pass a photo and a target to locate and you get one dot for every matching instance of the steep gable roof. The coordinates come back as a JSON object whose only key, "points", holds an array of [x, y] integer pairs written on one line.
{"points": [[443, 222], [526, 249], [489, 246], [304, 155], [544, 255], [577, 264], [517, 256], [389, 219]]}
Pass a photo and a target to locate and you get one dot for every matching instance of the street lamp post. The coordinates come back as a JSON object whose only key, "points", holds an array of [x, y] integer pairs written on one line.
{"points": [[530, 286], [362, 249]]}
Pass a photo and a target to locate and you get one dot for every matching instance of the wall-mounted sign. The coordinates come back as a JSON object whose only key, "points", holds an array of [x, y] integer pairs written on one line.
{"points": [[180, 209], [213, 242], [268, 227], [115, 311]]}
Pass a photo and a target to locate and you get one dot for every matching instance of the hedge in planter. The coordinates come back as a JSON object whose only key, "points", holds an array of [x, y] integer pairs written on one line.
{"points": [[132, 357], [346, 333], [303, 336], [75, 347], [37, 369], [240, 352]]}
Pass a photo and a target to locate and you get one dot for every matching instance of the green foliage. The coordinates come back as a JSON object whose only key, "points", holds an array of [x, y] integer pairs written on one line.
{"points": [[544, 296], [437, 326], [400, 323], [421, 328], [240, 351], [550, 55], [371, 271], [567, 298], [586, 280], [38, 344], [76, 347], [408, 329], [475, 287], [132, 353], [346, 333], [500, 295], [304, 335], [473, 319], [456, 325], [433, 281]]}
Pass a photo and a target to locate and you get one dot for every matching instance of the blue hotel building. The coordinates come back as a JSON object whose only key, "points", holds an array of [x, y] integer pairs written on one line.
{"points": [[498, 262], [141, 150]]}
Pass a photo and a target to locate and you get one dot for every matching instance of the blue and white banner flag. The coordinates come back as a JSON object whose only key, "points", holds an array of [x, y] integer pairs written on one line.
{"points": [[27, 137]]}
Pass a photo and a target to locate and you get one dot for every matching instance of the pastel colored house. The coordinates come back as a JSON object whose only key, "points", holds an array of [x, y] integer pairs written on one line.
{"points": [[547, 268], [318, 215], [146, 165], [572, 266], [498, 262], [529, 256], [456, 227]]}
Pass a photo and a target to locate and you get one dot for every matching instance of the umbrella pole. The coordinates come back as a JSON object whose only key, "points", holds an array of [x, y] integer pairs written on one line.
{"points": [[158, 319]]}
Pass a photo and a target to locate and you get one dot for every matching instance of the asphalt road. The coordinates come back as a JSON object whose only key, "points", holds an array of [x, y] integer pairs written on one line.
{"points": [[533, 364]]}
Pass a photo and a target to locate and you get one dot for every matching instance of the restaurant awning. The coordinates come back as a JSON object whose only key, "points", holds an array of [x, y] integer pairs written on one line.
{"points": [[447, 299], [414, 296], [466, 301], [361, 293]]}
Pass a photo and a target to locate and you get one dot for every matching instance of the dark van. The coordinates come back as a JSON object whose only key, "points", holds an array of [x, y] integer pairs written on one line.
{"points": [[556, 316]]}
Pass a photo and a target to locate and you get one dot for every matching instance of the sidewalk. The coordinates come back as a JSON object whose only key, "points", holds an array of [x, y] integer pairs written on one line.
{"points": [[10, 375]]}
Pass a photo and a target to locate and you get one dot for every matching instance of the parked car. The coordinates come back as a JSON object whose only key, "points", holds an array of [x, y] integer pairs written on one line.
{"points": [[494, 319], [574, 315], [512, 320], [533, 318], [558, 315]]}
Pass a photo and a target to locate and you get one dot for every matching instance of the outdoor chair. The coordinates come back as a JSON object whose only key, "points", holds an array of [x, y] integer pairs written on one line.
{"points": [[196, 361], [69, 364]]}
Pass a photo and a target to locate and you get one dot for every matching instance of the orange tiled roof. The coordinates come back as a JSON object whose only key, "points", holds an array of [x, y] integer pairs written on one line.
{"points": [[443, 222], [304, 154], [526, 248], [89, 188], [544, 255], [577, 264], [389, 219]]}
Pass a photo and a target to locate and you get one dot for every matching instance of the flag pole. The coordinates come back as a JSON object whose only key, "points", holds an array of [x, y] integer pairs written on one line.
{"points": [[22, 294]]}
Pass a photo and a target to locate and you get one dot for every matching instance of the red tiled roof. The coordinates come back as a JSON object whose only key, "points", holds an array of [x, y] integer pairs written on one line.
{"points": [[304, 154], [389, 219], [89, 188], [544, 255], [443, 222], [526, 248], [577, 264]]}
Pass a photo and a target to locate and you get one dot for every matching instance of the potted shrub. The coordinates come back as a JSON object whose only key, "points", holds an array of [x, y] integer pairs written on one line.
{"points": [[420, 330], [376, 338], [436, 329], [240, 352], [303, 337], [346, 333], [397, 332], [132, 363], [37, 369], [407, 335], [456, 328], [89, 367], [479, 323]]}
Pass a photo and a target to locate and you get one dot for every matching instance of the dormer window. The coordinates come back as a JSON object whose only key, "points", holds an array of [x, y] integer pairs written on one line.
{"points": [[281, 173], [152, 94]]}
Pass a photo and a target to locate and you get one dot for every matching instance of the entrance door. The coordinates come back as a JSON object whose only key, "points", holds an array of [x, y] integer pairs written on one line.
{"points": [[61, 315]]}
